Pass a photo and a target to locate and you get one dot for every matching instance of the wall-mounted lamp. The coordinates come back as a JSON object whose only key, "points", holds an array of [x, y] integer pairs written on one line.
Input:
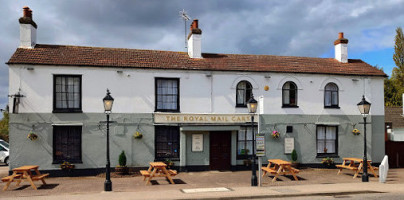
{"points": [[267, 76], [30, 68], [119, 72], [354, 79], [208, 74]]}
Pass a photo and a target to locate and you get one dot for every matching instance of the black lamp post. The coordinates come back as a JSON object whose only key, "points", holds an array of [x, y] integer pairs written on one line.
{"points": [[364, 108], [108, 101], [252, 108]]}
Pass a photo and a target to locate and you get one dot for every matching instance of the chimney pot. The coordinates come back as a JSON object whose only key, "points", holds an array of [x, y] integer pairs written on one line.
{"points": [[340, 35], [194, 24], [30, 13], [25, 11]]}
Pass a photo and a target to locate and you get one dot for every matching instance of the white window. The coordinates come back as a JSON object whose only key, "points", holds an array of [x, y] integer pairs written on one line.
{"points": [[244, 93], [167, 94], [327, 143], [331, 96], [289, 94]]}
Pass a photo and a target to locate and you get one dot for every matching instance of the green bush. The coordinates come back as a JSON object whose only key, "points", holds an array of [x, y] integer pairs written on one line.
{"points": [[294, 155], [122, 159]]}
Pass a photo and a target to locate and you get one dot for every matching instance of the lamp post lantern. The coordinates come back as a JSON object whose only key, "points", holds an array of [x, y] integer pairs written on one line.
{"points": [[364, 108], [108, 101], [252, 108]]}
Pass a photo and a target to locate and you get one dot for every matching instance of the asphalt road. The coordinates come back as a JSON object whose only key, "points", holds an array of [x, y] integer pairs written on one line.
{"points": [[373, 196]]}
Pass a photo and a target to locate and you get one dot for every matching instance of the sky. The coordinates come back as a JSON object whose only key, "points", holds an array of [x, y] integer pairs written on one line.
{"points": [[288, 28]]}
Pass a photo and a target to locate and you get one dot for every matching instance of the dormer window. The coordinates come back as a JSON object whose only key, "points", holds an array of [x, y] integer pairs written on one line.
{"points": [[243, 93]]}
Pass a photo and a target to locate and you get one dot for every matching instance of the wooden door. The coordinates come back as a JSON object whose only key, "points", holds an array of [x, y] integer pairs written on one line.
{"points": [[220, 150]]}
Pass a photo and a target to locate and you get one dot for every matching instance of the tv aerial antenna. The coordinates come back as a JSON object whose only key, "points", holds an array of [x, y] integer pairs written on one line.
{"points": [[185, 17]]}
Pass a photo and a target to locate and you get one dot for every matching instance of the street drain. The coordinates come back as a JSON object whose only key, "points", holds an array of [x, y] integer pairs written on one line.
{"points": [[198, 190]]}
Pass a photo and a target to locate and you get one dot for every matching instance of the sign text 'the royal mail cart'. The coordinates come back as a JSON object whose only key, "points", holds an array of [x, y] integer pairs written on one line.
{"points": [[202, 118]]}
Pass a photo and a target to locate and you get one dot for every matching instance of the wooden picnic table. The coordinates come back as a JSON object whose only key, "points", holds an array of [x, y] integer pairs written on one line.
{"points": [[280, 167], [25, 173], [355, 164], [158, 169]]}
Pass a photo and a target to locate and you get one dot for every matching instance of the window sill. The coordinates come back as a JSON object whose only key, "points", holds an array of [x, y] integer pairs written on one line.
{"points": [[327, 156], [288, 106], [243, 157], [71, 162], [67, 111], [172, 111], [241, 106], [331, 107], [164, 159]]}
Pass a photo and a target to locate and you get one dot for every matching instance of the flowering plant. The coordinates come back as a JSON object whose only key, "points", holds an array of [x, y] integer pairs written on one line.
{"points": [[138, 135], [356, 131], [275, 134], [327, 161], [67, 166], [32, 136]]}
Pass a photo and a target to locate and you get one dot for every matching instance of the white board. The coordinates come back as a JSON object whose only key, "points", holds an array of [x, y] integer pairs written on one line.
{"points": [[289, 145], [197, 142]]}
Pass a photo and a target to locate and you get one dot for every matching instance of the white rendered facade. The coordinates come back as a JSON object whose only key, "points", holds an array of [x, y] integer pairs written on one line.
{"points": [[133, 90]]}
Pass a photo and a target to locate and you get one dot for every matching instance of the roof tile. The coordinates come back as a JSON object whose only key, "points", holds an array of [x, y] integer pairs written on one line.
{"points": [[153, 59]]}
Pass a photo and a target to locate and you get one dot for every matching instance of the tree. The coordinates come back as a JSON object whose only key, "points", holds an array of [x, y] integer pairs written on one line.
{"points": [[4, 125], [398, 57], [394, 87]]}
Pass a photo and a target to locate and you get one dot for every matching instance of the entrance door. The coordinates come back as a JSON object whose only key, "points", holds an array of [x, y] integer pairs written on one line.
{"points": [[220, 150]]}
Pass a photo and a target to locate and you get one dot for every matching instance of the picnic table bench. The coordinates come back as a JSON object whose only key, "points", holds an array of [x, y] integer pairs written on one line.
{"points": [[25, 173], [356, 165], [158, 169], [280, 167]]}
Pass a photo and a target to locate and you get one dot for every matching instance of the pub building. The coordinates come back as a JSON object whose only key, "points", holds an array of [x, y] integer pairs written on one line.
{"points": [[187, 107]]}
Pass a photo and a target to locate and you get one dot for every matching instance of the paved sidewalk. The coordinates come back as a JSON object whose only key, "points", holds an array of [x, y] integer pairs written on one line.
{"points": [[240, 192], [315, 182]]}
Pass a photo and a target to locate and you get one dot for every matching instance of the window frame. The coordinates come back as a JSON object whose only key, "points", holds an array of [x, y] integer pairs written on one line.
{"points": [[57, 161], [239, 156], [158, 158], [67, 110], [331, 92], [155, 95], [324, 155], [244, 105], [296, 95]]}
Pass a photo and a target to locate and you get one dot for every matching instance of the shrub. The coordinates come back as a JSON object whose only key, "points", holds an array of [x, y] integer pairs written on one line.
{"points": [[122, 159], [294, 155]]}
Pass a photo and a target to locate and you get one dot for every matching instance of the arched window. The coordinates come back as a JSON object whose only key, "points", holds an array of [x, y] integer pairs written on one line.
{"points": [[331, 96], [243, 94], [289, 94]]}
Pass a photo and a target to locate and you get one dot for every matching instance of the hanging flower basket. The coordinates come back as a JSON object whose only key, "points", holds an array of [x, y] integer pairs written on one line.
{"points": [[137, 135], [356, 131], [275, 134], [32, 136]]}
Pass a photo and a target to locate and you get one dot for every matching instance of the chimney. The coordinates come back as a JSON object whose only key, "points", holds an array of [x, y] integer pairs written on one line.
{"points": [[27, 29], [194, 41], [341, 48]]}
